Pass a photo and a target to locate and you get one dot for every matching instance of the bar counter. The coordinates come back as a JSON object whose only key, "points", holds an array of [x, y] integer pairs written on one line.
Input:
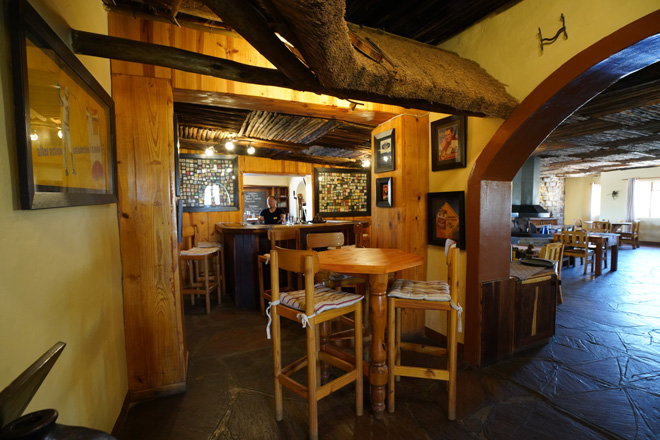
{"points": [[244, 243]]}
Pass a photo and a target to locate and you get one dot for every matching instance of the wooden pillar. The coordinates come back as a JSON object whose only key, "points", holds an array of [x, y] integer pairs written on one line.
{"points": [[153, 312], [403, 226]]}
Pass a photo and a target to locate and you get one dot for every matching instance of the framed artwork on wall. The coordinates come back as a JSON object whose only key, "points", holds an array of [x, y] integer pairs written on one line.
{"points": [[340, 192], [446, 218], [448, 143], [384, 151], [208, 183], [65, 120], [384, 192]]}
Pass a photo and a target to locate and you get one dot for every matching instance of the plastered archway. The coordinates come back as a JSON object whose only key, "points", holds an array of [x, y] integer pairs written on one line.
{"points": [[627, 50]]}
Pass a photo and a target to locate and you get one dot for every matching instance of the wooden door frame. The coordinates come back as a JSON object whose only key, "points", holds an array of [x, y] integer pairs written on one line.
{"points": [[588, 73]]}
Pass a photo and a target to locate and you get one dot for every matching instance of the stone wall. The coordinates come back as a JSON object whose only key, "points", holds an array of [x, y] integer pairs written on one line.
{"points": [[552, 196]]}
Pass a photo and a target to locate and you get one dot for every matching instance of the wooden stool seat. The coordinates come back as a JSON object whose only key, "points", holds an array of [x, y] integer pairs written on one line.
{"points": [[204, 272]]}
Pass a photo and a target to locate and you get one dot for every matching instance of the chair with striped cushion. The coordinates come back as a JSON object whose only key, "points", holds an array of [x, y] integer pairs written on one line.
{"points": [[312, 306], [425, 295]]}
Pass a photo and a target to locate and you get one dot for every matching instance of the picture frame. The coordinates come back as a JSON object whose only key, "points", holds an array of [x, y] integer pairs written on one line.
{"points": [[65, 121], [208, 183], [446, 218], [342, 192], [448, 143], [384, 192], [384, 151]]}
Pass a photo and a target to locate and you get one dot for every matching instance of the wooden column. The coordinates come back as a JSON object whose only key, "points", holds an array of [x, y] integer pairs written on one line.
{"points": [[404, 225], [153, 312]]}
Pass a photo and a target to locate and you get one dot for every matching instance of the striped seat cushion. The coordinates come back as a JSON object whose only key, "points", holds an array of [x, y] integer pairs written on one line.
{"points": [[325, 297], [422, 290], [199, 252]]}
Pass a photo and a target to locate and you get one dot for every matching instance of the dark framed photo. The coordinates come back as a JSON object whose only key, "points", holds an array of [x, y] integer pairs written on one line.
{"points": [[65, 126], [341, 192], [208, 183], [448, 141], [384, 151], [446, 218], [384, 192]]}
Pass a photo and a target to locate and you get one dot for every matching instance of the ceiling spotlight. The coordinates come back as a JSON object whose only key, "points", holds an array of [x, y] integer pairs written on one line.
{"points": [[210, 151], [366, 163], [250, 150], [229, 145], [34, 136]]}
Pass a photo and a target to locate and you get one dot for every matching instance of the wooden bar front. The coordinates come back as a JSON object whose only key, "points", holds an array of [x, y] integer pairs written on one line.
{"points": [[244, 243]]}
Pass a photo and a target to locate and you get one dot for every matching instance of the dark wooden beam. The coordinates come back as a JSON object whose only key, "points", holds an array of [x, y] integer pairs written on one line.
{"points": [[87, 43], [251, 25]]}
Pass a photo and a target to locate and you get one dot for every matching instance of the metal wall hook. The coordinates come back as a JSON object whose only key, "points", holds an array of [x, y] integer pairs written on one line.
{"points": [[546, 41]]}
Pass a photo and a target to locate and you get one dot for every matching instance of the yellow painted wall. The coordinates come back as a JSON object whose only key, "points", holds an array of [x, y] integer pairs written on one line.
{"points": [[60, 275], [577, 202]]}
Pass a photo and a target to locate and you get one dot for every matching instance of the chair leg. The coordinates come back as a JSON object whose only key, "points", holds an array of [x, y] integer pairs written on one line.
{"points": [[311, 381], [391, 353], [218, 257], [260, 271], [359, 390], [277, 362], [207, 284], [452, 361]]}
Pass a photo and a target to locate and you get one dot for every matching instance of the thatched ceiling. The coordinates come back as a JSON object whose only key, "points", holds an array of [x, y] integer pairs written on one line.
{"points": [[616, 130]]}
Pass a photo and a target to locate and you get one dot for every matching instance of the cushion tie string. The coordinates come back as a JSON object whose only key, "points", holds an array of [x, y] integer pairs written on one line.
{"points": [[460, 310], [270, 320], [304, 319]]}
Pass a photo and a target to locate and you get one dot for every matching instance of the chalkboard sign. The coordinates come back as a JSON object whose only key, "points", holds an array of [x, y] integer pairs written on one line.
{"points": [[254, 200]]}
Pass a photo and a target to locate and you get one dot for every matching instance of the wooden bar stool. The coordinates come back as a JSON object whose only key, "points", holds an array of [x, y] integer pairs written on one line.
{"points": [[276, 236], [425, 295], [203, 269]]}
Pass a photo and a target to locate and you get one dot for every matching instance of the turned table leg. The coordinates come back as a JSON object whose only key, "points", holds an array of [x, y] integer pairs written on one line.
{"points": [[377, 352]]}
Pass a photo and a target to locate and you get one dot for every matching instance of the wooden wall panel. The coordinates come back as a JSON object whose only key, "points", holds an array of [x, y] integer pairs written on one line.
{"points": [[155, 342], [404, 225]]}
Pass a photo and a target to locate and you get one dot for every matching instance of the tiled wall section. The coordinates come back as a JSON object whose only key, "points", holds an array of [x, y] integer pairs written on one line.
{"points": [[552, 197]]}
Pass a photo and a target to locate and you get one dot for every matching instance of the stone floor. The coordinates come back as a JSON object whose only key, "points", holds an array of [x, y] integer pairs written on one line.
{"points": [[598, 378]]}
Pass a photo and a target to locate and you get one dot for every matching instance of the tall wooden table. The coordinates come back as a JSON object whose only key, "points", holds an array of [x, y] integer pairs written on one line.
{"points": [[376, 264]]}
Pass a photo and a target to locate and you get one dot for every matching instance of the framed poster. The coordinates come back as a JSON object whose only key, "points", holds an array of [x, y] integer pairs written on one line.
{"points": [[384, 151], [446, 218], [65, 126], [340, 192], [384, 192], [448, 141], [208, 183]]}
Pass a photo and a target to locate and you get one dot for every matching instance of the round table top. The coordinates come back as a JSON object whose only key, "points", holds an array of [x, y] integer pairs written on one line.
{"points": [[368, 260]]}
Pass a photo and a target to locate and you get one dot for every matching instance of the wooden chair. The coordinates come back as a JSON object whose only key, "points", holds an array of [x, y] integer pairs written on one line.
{"points": [[276, 236], [632, 237], [576, 244], [218, 245], [314, 305], [555, 252], [600, 226], [425, 295], [199, 280], [325, 240]]}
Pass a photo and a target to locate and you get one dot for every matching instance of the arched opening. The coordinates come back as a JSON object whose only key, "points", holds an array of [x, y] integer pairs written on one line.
{"points": [[627, 50]]}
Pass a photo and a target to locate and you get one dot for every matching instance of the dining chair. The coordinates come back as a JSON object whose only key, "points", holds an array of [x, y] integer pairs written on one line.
{"points": [[313, 305], [336, 240], [425, 295], [601, 226], [632, 237], [555, 252], [199, 280], [576, 244], [276, 237]]}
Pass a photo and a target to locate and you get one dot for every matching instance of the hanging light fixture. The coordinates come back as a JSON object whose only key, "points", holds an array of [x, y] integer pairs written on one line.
{"points": [[229, 145], [250, 149], [210, 151], [366, 163]]}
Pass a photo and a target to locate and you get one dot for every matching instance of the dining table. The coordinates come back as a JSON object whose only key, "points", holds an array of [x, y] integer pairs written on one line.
{"points": [[376, 264], [601, 240]]}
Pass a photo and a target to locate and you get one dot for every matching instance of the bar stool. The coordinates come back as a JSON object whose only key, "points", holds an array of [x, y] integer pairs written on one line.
{"points": [[277, 236], [425, 295], [203, 264]]}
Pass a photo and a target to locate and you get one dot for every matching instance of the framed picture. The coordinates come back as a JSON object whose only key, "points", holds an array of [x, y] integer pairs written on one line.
{"points": [[208, 183], [384, 192], [340, 192], [446, 218], [448, 141], [384, 151], [65, 126]]}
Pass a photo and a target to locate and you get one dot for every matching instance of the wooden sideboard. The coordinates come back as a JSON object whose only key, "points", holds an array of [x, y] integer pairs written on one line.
{"points": [[244, 243], [517, 314]]}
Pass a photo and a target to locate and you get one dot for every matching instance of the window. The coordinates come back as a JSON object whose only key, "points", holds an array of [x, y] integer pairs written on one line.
{"points": [[595, 201], [647, 198]]}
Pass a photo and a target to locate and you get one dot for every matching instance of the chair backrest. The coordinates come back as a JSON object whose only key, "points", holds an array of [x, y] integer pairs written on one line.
{"points": [[601, 226], [358, 230], [325, 240], [553, 251], [635, 228], [300, 261], [576, 239], [278, 235]]}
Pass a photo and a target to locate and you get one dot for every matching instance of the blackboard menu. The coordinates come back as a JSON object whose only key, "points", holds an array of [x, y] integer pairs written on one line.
{"points": [[254, 200]]}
